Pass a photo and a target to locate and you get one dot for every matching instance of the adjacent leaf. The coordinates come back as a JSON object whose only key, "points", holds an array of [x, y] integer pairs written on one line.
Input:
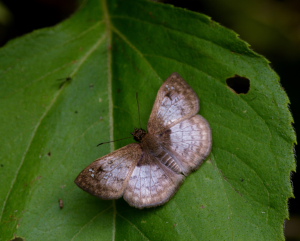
{"points": [[65, 89]]}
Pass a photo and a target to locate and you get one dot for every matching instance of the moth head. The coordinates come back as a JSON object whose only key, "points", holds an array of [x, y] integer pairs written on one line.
{"points": [[139, 134]]}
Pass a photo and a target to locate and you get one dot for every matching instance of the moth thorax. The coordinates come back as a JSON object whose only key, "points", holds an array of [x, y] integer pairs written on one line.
{"points": [[139, 134]]}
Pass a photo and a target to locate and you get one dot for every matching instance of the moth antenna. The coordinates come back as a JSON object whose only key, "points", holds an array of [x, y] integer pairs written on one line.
{"points": [[138, 105], [113, 141]]}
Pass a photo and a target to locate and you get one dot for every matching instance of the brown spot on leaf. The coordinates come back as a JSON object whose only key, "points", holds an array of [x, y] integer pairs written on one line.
{"points": [[17, 239], [61, 203]]}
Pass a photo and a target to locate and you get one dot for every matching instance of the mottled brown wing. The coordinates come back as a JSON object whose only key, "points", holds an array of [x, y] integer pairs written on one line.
{"points": [[175, 102], [108, 176], [151, 183], [189, 143]]}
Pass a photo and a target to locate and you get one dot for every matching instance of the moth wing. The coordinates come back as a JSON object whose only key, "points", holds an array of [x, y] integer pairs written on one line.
{"points": [[175, 102], [189, 142], [108, 176], [151, 183]]}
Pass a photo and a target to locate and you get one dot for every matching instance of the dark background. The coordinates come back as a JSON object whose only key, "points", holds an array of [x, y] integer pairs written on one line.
{"points": [[272, 27]]}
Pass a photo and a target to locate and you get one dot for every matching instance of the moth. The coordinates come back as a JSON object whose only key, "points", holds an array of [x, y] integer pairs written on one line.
{"points": [[149, 173]]}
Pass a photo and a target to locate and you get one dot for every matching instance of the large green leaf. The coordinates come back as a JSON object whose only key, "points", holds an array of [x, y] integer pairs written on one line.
{"points": [[105, 53]]}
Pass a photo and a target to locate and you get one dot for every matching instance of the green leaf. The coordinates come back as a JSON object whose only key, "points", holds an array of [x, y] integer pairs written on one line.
{"points": [[67, 88]]}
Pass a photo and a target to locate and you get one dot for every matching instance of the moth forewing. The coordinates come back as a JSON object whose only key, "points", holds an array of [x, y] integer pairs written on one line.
{"points": [[108, 176], [175, 102]]}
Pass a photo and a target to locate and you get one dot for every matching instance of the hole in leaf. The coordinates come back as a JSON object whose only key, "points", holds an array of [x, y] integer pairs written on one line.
{"points": [[239, 84]]}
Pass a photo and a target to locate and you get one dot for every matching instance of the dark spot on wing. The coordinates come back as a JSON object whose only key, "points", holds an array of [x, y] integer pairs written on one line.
{"points": [[169, 95]]}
